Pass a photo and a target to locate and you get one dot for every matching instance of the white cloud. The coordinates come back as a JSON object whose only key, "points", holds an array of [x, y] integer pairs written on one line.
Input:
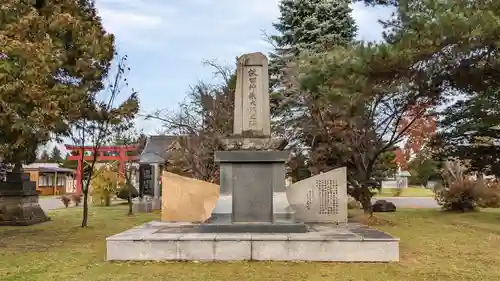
{"points": [[123, 22], [367, 18]]}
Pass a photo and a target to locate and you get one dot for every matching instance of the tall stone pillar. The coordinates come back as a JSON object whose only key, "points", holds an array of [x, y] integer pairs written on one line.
{"points": [[156, 187]]}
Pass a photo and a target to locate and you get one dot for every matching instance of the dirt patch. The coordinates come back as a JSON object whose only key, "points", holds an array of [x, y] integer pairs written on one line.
{"points": [[372, 220]]}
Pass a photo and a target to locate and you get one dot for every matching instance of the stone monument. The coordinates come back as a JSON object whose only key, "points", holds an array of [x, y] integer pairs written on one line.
{"points": [[321, 198], [253, 167], [19, 200]]}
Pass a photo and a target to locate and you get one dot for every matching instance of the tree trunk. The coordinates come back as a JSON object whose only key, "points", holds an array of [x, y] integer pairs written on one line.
{"points": [[129, 201], [85, 207], [366, 202], [365, 197], [107, 199]]}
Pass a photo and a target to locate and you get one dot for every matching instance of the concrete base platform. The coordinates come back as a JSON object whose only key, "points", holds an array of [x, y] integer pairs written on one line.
{"points": [[349, 243], [239, 228], [146, 205]]}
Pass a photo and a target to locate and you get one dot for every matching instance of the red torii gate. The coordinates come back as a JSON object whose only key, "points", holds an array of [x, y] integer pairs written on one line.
{"points": [[121, 150]]}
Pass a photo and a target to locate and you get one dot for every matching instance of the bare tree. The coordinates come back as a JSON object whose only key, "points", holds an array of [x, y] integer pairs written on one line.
{"points": [[93, 125], [201, 120]]}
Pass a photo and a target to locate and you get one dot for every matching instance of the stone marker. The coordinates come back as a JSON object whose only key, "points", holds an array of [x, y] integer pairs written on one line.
{"points": [[187, 200], [253, 168], [251, 98], [252, 123], [19, 201], [321, 198]]}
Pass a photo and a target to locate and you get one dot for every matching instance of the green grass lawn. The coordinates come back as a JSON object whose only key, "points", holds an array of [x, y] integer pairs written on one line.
{"points": [[434, 246], [406, 192]]}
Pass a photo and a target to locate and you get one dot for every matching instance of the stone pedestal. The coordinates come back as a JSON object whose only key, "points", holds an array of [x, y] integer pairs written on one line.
{"points": [[252, 176], [19, 202], [143, 205]]}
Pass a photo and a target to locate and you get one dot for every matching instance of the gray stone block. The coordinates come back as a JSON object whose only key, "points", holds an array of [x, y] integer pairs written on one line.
{"points": [[270, 250], [142, 206], [269, 237], [252, 186], [233, 250], [196, 250], [305, 250], [197, 237], [248, 156], [233, 237], [141, 250], [19, 202], [156, 204], [321, 243]]}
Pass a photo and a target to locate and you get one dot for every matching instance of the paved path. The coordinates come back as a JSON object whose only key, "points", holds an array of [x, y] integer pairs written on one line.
{"points": [[51, 203]]}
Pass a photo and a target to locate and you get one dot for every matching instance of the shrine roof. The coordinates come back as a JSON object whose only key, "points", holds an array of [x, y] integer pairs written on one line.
{"points": [[157, 149]]}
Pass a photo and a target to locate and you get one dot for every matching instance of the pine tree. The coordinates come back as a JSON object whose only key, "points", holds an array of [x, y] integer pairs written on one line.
{"points": [[44, 156], [55, 155], [53, 54], [314, 25], [372, 88], [308, 25]]}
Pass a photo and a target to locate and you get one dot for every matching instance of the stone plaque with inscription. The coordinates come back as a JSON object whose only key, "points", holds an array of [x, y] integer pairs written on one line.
{"points": [[146, 180], [321, 198], [251, 114]]}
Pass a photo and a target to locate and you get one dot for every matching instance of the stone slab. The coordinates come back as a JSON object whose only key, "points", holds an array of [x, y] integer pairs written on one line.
{"points": [[251, 156], [280, 205], [239, 228], [322, 243], [187, 199], [321, 198], [253, 143]]}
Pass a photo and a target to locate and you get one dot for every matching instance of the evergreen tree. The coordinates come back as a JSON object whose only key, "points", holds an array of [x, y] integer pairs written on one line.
{"points": [[55, 155], [472, 133], [44, 156], [311, 26], [363, 92], [53, 54]]}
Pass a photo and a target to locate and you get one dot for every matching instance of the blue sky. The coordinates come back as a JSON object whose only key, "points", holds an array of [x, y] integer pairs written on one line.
{"points": [[166, 41]]}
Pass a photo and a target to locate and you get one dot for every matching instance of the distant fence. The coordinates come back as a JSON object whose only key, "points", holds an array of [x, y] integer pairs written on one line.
{"points": [[404, 184], [390, 184], [398, 183]]}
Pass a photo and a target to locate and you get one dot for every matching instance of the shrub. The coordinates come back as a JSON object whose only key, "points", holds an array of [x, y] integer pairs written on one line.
{"points": [[105, 183], [467, 195], [76, 198], [353, 204], [123, 193], [490, 195], [461, 195], [65, 199]]}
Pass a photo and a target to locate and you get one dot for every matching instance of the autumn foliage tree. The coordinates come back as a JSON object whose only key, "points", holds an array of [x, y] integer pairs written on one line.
{"points": [[105, 184], [52, 54], [417, 135]]}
